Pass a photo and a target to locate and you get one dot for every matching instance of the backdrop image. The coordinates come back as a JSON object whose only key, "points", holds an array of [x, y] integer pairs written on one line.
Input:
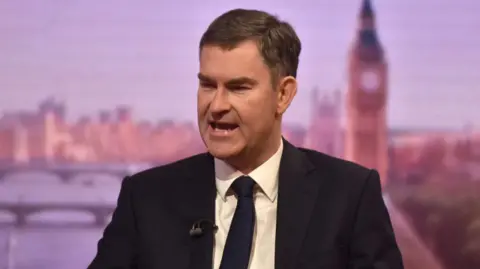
{"points": [[93, 91]]}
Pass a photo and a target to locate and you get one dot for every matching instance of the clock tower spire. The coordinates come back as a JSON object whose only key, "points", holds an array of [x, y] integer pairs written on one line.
{"points": [[367, 44], [366, 123]]}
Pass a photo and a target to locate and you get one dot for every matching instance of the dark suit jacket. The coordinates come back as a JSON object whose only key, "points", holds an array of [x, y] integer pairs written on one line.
{"points": [[330, 215]]}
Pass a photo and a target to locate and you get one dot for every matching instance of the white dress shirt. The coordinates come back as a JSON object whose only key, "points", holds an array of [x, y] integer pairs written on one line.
{"points": [[265, 199]]}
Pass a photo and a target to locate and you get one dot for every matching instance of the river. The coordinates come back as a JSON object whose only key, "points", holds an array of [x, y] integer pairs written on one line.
{"points": [[48, 248], [53, 247]]}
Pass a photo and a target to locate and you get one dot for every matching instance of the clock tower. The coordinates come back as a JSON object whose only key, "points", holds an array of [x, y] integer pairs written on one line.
{"points": [[366, 123]]}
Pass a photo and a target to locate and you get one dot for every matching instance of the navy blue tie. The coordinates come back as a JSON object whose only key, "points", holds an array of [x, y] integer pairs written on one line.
{"points": [[236, 254]]}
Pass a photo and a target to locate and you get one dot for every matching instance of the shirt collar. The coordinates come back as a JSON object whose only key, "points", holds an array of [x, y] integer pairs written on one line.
{"points": [[266, 175]]}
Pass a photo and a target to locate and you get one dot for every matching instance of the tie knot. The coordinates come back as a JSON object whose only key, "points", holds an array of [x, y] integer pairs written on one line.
{"points": [[243, 186]]}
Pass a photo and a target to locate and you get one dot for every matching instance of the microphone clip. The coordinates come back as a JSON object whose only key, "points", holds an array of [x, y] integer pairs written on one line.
{"points": [[200, 227]]}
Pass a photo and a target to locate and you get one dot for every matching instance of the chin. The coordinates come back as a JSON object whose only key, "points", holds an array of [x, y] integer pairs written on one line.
{"points": [[222, 153]]}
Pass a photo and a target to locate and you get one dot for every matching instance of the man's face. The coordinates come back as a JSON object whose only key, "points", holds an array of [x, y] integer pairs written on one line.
{"points": [[237, 106]]}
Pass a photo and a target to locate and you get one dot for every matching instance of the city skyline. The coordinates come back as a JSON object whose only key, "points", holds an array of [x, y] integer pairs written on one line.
{"points": [[112, 114], [87, 52]]}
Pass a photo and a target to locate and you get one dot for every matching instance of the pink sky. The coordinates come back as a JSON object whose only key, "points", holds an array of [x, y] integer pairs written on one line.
{"points": [[97, 54]]}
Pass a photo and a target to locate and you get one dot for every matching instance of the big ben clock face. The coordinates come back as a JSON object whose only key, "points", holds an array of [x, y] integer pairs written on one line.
{"points": [[369, 81]]}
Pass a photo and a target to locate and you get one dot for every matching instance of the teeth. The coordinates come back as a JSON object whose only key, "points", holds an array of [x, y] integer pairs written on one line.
{"points": [[221, 130]]}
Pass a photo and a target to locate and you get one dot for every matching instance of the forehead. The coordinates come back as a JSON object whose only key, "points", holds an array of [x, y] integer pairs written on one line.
{"points": [[242, 61]]}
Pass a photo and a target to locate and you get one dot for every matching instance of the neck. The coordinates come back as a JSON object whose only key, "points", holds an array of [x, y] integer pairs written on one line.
{"points": [[253, 158]]}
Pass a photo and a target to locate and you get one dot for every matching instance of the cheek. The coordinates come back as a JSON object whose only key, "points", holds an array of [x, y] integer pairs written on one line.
{"points": [[202, 104], [256, 115]]}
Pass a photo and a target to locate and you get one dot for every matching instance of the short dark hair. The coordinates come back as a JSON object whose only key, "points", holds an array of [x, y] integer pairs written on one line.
{"points": [[277, 41]]}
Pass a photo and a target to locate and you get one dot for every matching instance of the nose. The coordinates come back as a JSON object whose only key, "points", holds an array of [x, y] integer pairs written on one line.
{"points": [[220, 103]]}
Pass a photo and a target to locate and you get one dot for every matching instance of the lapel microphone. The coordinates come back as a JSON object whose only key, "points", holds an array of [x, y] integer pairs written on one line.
{"points": [[199, 227]]}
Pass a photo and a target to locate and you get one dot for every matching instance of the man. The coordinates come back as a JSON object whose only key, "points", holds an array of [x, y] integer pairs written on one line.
{"points": [[254, 200]]}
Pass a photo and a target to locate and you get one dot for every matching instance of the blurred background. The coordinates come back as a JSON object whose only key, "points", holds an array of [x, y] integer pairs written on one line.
{"points": [[92, 91]]}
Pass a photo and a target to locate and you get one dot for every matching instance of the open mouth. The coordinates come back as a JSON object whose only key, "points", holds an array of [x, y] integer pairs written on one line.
{"points": [[223, 127]]}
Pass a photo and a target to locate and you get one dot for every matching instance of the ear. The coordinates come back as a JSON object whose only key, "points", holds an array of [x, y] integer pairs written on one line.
{"points": [[286, 91]]}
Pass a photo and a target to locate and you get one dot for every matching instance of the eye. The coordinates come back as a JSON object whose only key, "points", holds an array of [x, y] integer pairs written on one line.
{"points": [[240, 88], [207, 85]]}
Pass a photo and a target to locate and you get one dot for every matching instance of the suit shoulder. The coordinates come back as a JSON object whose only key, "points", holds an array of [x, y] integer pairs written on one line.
{"points": [[177, 168], [337, 167]]}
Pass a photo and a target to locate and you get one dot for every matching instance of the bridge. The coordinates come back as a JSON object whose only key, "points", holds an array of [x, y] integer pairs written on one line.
{"points": [[417, 254], [66, 173], [22, 210]]}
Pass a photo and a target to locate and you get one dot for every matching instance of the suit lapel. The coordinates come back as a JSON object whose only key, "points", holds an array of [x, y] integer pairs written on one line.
{"points": [[200, 201], [297, 194]]}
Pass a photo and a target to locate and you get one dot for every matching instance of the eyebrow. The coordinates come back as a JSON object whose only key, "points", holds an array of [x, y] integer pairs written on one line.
{"points": [[241, 80], [202, 77], [234, 81]]}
